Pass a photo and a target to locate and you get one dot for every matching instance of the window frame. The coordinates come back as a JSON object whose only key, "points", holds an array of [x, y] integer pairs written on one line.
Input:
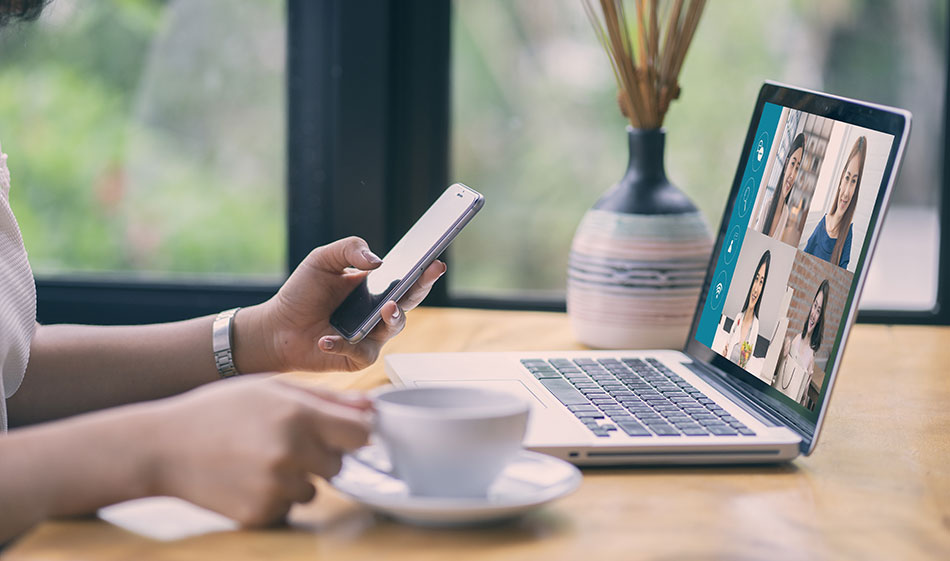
{"points": [[368, 94], [940, 313]]}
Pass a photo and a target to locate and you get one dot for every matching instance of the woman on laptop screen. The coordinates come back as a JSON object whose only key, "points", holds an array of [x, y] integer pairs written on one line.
{"points": [[826, 241], [745, 327], [797, 362], [778, 207]]}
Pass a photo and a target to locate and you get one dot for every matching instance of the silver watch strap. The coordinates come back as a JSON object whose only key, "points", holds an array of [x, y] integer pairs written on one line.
{"points": [[221, 343]]}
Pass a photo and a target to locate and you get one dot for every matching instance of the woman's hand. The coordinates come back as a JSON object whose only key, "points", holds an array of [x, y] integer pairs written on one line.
{"points": [[292, 331], [247, 447]]}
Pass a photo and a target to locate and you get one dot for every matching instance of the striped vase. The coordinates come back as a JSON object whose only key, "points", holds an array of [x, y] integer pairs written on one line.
{"points": [[638, 258]]}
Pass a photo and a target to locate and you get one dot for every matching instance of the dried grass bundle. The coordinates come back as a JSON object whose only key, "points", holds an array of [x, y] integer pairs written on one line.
{"points": [[646, 64]]}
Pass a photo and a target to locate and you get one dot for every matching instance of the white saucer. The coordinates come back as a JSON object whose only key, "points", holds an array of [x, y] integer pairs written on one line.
{"points": [[530, 480]]}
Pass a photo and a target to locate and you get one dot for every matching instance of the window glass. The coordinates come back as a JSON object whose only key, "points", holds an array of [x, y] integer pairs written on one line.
{"points": [[147, 136], [536, 126]]}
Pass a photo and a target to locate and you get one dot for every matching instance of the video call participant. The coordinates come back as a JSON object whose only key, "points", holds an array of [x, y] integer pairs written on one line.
{"points": [[778, 209], [797, 361], [827, 242], [745, 327]]}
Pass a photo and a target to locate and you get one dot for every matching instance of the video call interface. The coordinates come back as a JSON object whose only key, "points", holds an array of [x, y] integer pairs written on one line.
{"points": [[788, 261]]}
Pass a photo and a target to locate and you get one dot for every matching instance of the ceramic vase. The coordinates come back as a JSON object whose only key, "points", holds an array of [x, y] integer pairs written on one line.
{"points": [[638, 258]]}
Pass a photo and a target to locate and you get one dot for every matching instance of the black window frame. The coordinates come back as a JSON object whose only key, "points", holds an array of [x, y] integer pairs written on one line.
{"points": [[368, 94]]}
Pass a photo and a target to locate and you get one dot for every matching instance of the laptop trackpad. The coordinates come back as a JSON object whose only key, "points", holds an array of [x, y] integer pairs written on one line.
{"points": [[515, 387]]}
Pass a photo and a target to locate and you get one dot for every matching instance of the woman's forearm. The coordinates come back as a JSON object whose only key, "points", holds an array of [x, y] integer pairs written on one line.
{"points": [[75, 466], [79, 368], [246, 448]]}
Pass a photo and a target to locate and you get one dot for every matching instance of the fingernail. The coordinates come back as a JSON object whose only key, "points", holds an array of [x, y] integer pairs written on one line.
{"points": [[444, 269], [396, 313], [326, 344], [371, 257]]}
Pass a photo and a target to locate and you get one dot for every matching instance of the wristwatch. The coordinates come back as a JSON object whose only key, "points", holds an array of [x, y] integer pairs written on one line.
{"points": [[221, 343]]}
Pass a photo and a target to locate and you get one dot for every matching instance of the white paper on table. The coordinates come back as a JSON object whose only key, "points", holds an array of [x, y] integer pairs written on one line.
{"points": [[165, 518]]}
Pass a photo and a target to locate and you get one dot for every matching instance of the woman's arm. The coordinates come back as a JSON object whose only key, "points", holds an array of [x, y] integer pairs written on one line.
{"points": [[79, 368], [73, 466], [846, 249], [244, 447], [731, 334], [812, 244], [74, 369]]}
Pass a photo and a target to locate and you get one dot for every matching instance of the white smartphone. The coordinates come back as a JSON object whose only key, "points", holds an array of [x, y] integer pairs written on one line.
{"points": [[406, 261]]}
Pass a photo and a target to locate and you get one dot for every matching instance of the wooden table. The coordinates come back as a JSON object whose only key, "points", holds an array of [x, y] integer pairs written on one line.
{"points": [[877, 487]]}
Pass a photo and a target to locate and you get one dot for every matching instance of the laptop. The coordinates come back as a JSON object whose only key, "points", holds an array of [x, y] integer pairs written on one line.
{"points": [[753, 380]]}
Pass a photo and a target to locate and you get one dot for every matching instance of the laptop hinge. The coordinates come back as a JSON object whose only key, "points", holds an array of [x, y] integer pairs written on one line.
{"points": [[752, 401]]}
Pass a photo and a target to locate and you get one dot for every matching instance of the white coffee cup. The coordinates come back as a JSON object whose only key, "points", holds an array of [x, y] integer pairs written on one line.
{"points": [[449, 441]]}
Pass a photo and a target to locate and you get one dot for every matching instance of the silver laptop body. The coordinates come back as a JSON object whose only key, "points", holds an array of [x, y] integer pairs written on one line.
{"points": [[745, 414]]}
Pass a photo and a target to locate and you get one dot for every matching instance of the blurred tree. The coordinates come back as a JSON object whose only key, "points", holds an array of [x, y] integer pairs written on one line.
{"points": [[141, 131]]}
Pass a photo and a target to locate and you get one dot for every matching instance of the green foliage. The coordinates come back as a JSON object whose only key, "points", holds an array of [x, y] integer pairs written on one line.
{"points": [[147, 136]]}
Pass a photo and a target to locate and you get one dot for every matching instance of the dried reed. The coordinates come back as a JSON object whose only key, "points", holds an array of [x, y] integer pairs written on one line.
{"points": [[647, 75]]}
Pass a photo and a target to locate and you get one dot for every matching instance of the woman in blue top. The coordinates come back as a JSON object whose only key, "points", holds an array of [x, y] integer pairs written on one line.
{"points": [[827, 241]]}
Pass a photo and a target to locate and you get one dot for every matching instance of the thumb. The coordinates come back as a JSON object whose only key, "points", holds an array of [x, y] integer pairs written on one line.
{"points": [[342, 254]]}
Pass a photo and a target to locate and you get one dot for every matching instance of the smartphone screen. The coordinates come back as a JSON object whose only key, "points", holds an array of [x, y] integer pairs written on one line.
{"points": [[406, 261]]}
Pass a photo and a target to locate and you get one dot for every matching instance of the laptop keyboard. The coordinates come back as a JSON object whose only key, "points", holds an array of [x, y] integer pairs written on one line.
{"points": [[638, 397]]}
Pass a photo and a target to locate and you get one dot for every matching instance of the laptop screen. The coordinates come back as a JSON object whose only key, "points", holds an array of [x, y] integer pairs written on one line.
{"points": [[793, 245]]}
